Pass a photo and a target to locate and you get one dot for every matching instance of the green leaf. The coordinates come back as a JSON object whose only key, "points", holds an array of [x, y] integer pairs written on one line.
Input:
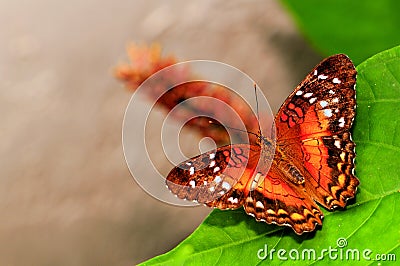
{"points": [[359, 29], [372, 222]]}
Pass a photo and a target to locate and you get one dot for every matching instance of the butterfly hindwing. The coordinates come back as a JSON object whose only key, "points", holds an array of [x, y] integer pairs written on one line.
{"points": [[275, 200]]}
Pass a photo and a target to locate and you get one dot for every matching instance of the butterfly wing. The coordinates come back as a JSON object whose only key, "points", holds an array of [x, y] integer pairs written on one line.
{"points": [[313, 160], [313, 131], [216, 178], [275, 200]]}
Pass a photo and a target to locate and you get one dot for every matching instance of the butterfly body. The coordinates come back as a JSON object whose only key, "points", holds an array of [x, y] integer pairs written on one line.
{"points": [[313, 160]]}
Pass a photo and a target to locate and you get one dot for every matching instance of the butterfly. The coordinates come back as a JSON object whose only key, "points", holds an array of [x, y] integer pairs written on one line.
{"points": [[313, 159]]}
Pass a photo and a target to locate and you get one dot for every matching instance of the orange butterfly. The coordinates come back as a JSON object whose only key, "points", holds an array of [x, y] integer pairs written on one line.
{"points": [[313, 160]]}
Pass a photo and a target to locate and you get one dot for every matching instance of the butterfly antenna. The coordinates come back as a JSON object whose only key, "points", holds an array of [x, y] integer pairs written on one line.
{"points": [[258, 114], [259, 136], [237, 129]]}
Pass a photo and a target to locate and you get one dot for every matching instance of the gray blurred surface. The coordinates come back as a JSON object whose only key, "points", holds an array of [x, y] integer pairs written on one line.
{"points": [[67, 197]]}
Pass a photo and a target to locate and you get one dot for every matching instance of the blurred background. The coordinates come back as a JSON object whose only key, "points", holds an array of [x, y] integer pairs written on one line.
{"points": [[67, 197]]}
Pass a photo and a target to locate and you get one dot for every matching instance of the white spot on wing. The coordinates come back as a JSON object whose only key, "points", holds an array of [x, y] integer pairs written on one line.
{"points": [[323, 104], [233, 200], [328, 112], [192, 183], [337, 143], [259, 205], [212, 156], [335, 100], [188, 163], [308, 95], [217, 179], [341, 120], [216, 169], [336, 81], [315, 72], [331, 92], [212, 163], [322, 77], [299, 92], [191, 170], [226, 185], [212, 189], [312, 100]]}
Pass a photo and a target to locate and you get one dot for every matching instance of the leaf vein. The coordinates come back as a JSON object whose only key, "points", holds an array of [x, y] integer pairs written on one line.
{"points": [[380, 144]]}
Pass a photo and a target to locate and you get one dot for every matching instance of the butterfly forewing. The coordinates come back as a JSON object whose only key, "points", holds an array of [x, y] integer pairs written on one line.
{"points": [[313, 130], [320, 101], [216, 178]]}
